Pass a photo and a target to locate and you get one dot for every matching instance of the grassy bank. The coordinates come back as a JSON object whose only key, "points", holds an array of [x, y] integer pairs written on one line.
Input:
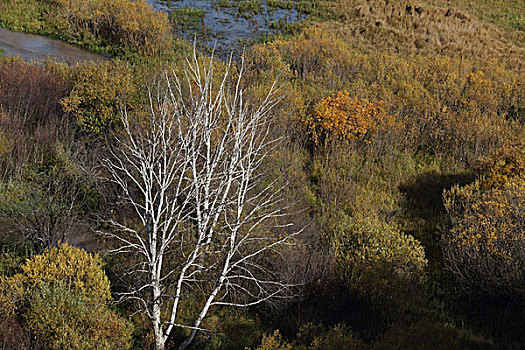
{"points": [[115, 28]]}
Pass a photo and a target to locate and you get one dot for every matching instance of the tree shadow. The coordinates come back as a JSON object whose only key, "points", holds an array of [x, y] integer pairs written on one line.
{"points": [[424, 215], [423, 194]]}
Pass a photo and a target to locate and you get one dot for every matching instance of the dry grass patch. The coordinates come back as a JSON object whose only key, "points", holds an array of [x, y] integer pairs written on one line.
{"points": [[410, 27]]}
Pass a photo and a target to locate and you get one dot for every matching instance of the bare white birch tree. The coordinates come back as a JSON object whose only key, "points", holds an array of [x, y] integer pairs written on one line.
{"points": [[191, 172]]}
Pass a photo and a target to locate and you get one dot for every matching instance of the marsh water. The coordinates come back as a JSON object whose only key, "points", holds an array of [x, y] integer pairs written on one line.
{"points": [[219, 24], [38, 48], [223, 26]]}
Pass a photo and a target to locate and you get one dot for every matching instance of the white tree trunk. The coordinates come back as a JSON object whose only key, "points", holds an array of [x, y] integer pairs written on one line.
{"points": [[191, 173]]}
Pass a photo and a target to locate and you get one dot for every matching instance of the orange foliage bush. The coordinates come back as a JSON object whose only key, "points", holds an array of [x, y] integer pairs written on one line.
{"points": [[442, 105], [507, 163], [343, 117]]}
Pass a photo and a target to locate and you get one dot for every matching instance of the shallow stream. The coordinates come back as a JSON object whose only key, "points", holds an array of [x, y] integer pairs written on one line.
{"points": [[38, 48]]}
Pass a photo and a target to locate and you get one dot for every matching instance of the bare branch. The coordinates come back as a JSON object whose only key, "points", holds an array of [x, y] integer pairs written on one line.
{"points": [[192, 173]]}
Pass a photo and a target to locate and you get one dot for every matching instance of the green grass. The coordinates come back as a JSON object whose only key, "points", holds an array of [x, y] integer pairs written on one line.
{"points": [[186, 17], [282, 4], [245, 8], [26, 16], [248, 8], [509, 20]]}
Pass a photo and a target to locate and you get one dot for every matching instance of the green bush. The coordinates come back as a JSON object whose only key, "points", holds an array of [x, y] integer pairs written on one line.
{"points": [[363, 246], [235, 330], [64, 319], [381, 263]]}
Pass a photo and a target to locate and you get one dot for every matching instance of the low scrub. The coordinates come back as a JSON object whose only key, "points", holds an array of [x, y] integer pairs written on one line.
{"points": [[485, 247]]}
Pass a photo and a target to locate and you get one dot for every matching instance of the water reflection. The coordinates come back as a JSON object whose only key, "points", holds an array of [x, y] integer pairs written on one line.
{"points": [[38, 48], [226, 27]]}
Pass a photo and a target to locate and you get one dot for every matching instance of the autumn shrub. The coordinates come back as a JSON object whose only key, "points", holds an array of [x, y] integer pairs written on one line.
{"points": [[62, 297], [314, 337], [31, 118], [359, 178], [274, 341], [380, 262], [341, 117], [80, 270], [485, 245], [124, 24], [31, 91], [24, 16], [503, 165], [363, 245], [312, 55], [99, 93]]}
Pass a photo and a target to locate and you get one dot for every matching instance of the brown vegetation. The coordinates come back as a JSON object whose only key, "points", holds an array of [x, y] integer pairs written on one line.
{"points": [[416, 27], [29, 105]]}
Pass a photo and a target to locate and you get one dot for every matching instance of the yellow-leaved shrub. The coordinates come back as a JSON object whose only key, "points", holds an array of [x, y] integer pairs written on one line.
{"points": [[124, 24], [485, 246], [363, 245], [314, 337], [381, 263], [61, 298], [79, 269], [100, 91]]}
